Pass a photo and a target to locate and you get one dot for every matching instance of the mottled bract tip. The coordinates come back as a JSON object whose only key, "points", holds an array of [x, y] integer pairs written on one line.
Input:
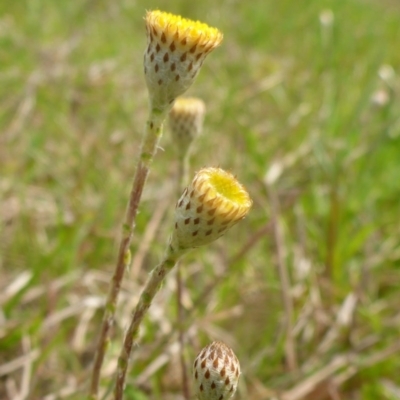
{"points": [[208, 207], [186, 122], [216, 372], [176, 50]]}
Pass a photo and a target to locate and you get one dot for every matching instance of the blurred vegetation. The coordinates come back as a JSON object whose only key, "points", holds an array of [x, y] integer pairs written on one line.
{"points": [[302, 105]]}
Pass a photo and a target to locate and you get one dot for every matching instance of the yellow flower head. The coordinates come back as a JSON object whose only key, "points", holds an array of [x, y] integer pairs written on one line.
{"points": [[208, 207], [186, 122], [176, 50], [216, 372]]}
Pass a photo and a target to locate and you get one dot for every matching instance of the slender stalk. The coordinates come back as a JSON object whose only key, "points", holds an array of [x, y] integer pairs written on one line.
{"points": [[150, 141], [181, 333], [151, 288], [183, 170]]}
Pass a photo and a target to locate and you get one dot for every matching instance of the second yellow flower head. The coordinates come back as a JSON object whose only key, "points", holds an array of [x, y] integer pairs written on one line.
{"points": [[208, 207]]}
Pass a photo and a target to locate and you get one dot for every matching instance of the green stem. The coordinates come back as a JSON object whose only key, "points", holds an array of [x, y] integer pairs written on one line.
{"points": [[182, 178], [151, 288], [150, 142]]}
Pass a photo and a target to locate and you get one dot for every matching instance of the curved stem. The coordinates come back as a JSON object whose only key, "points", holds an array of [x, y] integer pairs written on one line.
{"points": [[150, 141], [151, 288]]}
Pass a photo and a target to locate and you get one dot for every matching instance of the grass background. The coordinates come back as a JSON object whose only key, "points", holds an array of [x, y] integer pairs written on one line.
{"points": [[302, 105]]}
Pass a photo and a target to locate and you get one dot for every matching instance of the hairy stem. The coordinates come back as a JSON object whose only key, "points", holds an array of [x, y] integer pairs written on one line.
{"points": [[151, 288], [150, 141]]}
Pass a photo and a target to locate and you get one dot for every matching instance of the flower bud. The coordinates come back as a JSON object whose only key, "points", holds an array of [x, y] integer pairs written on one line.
{"points": [[186, 122], [216, 372]]}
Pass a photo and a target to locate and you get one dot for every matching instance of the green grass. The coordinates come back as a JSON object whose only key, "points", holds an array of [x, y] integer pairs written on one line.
{"points": [[283, 90]]}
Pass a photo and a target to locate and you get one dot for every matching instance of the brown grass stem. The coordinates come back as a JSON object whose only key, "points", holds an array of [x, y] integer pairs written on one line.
{"points": [[151, 288], [150, 141]]}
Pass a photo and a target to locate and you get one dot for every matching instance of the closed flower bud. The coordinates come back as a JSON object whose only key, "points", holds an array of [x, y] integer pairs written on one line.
{"points": [[176, 50], [186, 122], [216, 372], [208, 207]]}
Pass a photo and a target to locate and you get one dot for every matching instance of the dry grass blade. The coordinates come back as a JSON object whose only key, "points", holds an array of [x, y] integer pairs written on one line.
{"points": [[15, 286], [19, 362], [305, 387], [362, 362]]}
